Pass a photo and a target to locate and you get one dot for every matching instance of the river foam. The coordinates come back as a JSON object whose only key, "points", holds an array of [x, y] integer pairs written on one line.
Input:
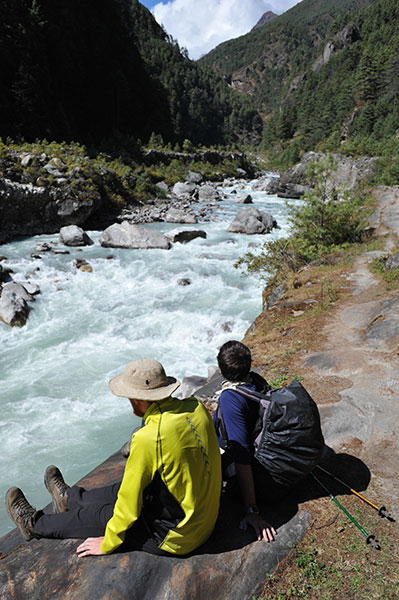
{"points": [[56, 407]]}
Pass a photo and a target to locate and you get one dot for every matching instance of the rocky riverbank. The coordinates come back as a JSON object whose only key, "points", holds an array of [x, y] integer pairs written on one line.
{"points": [[347, 174], [44, 187]]}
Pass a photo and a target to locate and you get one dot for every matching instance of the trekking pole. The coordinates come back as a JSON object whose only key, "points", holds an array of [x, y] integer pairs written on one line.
{"points": [[370, 539], [382, 511]]}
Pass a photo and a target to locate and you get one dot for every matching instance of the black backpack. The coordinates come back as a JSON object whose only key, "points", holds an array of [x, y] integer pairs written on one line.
{"points": [[287, 439]]}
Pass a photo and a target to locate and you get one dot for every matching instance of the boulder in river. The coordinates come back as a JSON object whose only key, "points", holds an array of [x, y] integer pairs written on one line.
{"points": [[184, 189], [177, 215], [252, 221], [32, 288], [207, 193], [83, 265], [20, 290], [14, 309], [72, 235], [243, 199], [5, 274], [261, 184], [60, 251], [184, 235], [125, 235], [44, 247]]}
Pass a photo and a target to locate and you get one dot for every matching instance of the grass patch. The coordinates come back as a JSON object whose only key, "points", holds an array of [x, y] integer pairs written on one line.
{"points": [[334, 562], [381, 267]]}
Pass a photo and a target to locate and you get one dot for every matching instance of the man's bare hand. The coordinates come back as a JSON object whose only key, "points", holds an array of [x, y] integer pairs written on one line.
{"points": [[90, 547], [262, 528]]}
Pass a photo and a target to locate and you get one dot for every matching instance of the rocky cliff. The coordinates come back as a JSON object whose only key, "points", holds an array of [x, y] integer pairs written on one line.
{"points": [[346, 174], [265, 18]]}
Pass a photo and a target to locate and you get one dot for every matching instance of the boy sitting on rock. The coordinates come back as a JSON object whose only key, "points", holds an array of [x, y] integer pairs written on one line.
{"points": [[292, 441]]}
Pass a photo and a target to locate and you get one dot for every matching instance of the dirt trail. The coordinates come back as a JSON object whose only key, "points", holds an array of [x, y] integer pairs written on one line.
{"points": [[361, 345]]}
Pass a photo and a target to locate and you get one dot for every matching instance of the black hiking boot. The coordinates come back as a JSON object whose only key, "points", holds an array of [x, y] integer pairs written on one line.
{"points": [[20, 511], [54, 482]]}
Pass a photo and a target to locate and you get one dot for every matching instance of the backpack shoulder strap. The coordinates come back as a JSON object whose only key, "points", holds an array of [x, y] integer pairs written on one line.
{"points": [[261, 384], [221, 429], [252, 394]]}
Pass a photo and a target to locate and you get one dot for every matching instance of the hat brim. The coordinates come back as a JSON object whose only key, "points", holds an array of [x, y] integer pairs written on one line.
{"points": [[119, 388]]}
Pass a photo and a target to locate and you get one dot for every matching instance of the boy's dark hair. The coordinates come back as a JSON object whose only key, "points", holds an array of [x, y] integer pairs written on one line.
{"points": [[234, 360]]}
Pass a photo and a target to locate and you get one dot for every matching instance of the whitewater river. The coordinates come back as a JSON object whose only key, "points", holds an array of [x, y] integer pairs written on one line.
{"points": [[56, 407]]}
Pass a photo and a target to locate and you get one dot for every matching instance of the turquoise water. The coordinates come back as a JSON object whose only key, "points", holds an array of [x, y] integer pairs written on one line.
{"points": [[56, 407]]}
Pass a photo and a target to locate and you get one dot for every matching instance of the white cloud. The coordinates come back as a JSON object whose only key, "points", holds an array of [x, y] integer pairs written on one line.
{"points": [[200, 25]]}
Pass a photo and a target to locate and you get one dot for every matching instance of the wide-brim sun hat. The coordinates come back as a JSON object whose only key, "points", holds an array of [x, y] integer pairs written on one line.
{"points": [[144, 379]]}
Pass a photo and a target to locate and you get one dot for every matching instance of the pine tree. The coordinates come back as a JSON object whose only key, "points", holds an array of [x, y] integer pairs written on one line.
{"points": [[369, 78], [391, 79]]}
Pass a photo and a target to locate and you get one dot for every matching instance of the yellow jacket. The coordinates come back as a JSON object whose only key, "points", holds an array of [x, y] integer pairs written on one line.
{"points": [[174, 459]]}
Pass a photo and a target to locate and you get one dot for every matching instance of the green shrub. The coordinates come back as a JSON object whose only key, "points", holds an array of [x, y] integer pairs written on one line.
{"points": [[327, 220]]}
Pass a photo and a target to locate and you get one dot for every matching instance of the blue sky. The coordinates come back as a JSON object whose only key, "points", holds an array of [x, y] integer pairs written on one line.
{"points": [[200, 25], [149, 3]]}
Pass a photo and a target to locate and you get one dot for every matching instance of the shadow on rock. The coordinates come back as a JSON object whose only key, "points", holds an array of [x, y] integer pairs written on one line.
{"points": [[348, 468], [228, 536]]}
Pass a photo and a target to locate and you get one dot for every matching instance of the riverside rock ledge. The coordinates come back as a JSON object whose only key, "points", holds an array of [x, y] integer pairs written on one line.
{"points": [[231, 564]]}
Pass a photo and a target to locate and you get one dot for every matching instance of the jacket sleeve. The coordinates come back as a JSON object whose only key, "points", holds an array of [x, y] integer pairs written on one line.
{"points": [[139, 472]]}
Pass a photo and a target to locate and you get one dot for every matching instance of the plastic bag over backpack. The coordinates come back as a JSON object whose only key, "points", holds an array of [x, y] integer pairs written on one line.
{"points": [[288, 441]]}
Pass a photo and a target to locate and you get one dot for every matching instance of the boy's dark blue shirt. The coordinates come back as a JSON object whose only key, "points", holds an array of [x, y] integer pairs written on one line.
{"points": [[239, 416]]}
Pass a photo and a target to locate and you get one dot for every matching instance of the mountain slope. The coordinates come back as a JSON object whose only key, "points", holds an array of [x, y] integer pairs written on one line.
{"points": [[351, 98], [98, 69], [261, 62], [323, 73], [202, 106]]}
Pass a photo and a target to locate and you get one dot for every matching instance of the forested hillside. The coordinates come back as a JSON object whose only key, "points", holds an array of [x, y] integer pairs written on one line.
{"points": [[351, 101], [323, 74], [263, 61], [101, 69]]}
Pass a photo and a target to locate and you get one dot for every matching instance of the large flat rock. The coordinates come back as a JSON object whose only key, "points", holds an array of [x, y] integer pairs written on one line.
{"points": [[230, 565]]}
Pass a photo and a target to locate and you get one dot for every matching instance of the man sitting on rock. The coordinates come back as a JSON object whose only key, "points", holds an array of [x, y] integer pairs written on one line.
{"points": [[237, 419], [168, 500]]}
